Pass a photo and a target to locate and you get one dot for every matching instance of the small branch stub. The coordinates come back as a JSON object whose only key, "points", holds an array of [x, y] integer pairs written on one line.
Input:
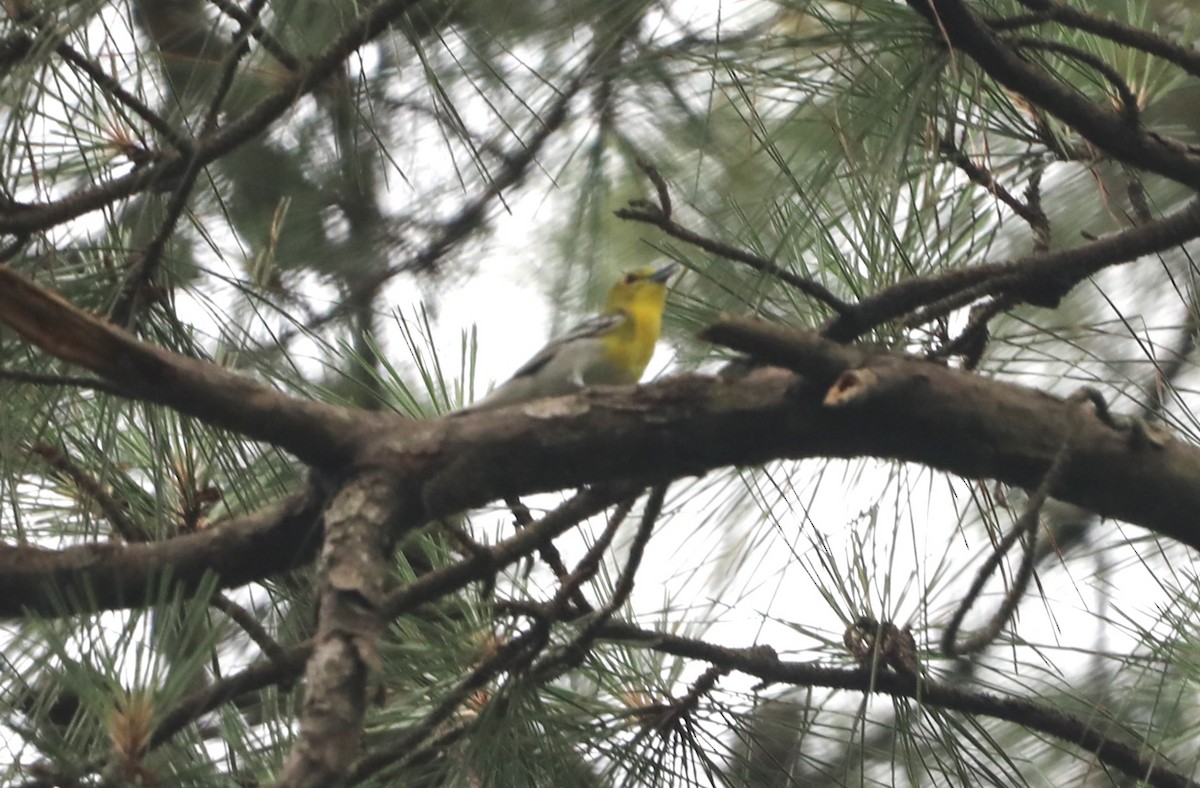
{"points": [[851, 385]]}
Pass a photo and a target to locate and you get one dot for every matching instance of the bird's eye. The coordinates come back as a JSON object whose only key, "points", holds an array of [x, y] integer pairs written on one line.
{"points": [[630, 278]]}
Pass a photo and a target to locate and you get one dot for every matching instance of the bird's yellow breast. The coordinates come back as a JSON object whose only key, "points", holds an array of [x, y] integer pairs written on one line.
{"points": [[630, 347]]}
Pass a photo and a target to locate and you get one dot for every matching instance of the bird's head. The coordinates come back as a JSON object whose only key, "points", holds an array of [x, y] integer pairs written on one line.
{"points": [[641, 287]]}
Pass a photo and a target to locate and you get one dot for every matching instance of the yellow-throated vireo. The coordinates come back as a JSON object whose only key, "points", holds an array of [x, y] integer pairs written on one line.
{"points": [[610, 348]]}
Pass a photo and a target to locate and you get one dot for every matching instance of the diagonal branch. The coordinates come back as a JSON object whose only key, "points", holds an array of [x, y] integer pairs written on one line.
{"points": [[1182, 55], [1039, 279], [529, 539], [260, 34], [90, 489], [180, 141], [1107, 130], [281, 669], [321, 435], [660, 216], [1130, 111], [981, 175]]}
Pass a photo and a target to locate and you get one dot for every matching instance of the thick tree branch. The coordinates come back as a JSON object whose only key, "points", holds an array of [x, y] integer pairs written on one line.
{"points": [[113, 575], [45, 379], [994, 430], [354, 570], [919, 412], [890, 406]]}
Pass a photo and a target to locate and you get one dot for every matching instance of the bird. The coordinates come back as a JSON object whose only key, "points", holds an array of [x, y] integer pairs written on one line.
{"points": [[610, 348]]}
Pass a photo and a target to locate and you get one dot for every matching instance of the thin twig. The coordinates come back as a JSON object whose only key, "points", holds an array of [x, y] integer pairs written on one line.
{"points": [[77, 381], [178, 140], [260, 675], [1129, 101], [640, 212], [589, 565], [1140, 762], [260, 34], [1041, 279], [1042, 232], [529, 539], [1026, 529], [237, 50], [984, 177], [574, 652], [549, 553], [1181, 55], [972, 341], [660, 186], [670, 718], [115, 511], [252, 627]]}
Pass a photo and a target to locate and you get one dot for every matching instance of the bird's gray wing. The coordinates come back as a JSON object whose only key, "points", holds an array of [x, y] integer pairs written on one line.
{"points": [[592, 327]]}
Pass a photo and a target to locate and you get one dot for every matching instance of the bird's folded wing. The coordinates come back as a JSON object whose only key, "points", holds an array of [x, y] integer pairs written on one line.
{"points": [[591, 328]]}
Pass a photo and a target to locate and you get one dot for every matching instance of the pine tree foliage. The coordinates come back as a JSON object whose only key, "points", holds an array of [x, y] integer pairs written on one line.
{"points": [[910, 501]]}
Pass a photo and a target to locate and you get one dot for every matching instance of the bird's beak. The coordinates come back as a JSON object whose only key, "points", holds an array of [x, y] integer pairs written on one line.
{"points": [[663, 274]]}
